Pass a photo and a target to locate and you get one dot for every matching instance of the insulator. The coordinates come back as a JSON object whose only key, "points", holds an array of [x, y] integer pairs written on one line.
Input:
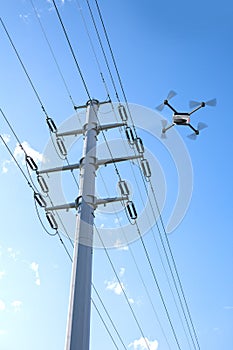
{"points": [[131, 210], [139, 145], [51, 125], [123, 113], [51, 220], [145, 168], [40, 200], [31, 163], [42, 184], [129, 135], [123, 188], [61, 146]]}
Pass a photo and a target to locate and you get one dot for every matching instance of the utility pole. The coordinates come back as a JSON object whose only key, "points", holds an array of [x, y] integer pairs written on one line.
{"points": [[78, 327], [79, 312]]}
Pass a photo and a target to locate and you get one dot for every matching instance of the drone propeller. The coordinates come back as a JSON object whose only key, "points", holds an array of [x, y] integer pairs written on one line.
{"points": [[200, 126], [170, 95], [193, 104], [212, 102]]}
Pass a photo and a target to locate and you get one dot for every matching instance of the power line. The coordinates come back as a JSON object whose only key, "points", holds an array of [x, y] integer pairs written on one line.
{"points": [[103, 51], [52, 53], [30, 182], [29, 76], [123, 291], [175, 267], [71, 49], [114, 61], [23, 66], [109, 317], [105, 325], [17, 163], [124, 95]]}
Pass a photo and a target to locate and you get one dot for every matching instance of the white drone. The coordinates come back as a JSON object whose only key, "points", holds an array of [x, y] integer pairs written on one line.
{"points": [[181, 118]]}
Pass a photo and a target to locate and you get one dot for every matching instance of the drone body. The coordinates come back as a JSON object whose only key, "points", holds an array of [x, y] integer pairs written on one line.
{"points": [[180, 118]]}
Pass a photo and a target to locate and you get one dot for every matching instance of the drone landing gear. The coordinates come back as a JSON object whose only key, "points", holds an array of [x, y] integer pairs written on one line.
{"points": [[167, 128]]}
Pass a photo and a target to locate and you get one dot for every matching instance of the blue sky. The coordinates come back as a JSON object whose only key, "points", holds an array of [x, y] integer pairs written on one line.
{"points": [[158, 47]]}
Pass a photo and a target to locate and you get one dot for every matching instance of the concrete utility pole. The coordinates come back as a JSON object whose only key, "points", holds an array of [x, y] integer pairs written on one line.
{"points": [[78, 327], [79, 313]]}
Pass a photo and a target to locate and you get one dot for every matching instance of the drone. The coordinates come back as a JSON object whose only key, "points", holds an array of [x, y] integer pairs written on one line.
{"points": [[181, 118]]}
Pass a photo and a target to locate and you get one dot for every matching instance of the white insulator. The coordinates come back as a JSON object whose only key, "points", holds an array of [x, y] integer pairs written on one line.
{"points": [[51, 220], [123, 113], [139, 145], [40, 200], [129, 134], [123, 188], [145, 168], [61, 146], [51, 125], [30, 161], [42, 184], [131, 210]]}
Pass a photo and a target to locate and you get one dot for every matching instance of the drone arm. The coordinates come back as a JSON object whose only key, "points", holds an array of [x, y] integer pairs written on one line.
{"points": [[196, 131], [168, 104], [196, 109]]}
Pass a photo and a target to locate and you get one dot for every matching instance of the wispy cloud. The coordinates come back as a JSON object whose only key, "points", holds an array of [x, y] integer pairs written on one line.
{"points": [[2, 274], [5, 164], [6, 138], [13, 253], [2, 305], [16, 305], [25, 17], [119, 246], [114, 286], [144, 343], [35, 267], [228, 307], [122, 271]]}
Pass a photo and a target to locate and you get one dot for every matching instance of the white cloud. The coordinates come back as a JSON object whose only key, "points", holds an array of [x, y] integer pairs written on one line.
{"points": [[6, 138], [122, 271], [25, 17], [20, 156], [119, 246], [143, 344], [2, 305], [3, 332], [4, 166], [118, 220], [2, 273], [116, 287], [16, 304], [131, 300], [35, 267], [13, 253]]}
